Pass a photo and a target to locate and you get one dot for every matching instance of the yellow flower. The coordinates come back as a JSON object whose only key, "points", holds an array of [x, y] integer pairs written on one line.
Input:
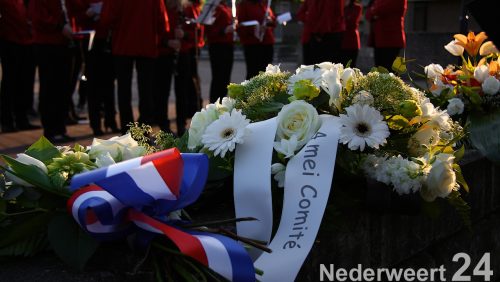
{"points": [[471, 42]]}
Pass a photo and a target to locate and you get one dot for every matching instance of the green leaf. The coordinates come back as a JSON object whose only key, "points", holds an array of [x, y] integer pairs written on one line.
{"points": [[34, 175], [2, 183], [24, 228], [485, 134], [27, 247], [459, 154], [397, 122], [70, 242], [463, 209], [399, 65], [460, 177], [43, 150]]}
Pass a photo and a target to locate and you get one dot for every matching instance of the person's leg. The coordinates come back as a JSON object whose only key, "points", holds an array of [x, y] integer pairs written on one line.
{"points": [[182, 80], [123, 69], [93, 94], [214, 53], [267, 57], [384, 57], [251, 57], [145, 79], [162, 84], [107, 89], [24, 88], [9, 69], [331, 48]]}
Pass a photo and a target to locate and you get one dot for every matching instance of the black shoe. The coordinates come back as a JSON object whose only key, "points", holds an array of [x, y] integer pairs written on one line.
{"points": [[62, 138], [28, 126]]}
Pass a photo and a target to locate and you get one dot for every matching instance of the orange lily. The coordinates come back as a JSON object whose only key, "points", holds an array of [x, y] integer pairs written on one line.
{"points": [[494, 68], [471, 42]]}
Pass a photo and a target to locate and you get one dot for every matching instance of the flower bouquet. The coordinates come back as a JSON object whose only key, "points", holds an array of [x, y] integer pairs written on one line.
{"points": [[470, 91], [74, 199], [288, 125]]}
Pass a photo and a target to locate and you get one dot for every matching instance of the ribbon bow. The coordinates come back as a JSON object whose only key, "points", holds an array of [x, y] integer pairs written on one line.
{"points": [[137, 193]]}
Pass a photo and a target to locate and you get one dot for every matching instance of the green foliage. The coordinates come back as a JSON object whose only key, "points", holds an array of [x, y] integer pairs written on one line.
{"points": [[23, 228], [141, 134], [43, 150], [26, 248], [463, 209], [485, 134], [73, 245], [263, 96]]}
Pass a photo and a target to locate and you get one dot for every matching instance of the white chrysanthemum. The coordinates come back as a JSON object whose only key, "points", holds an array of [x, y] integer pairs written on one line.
{"points": [[287, 147], [481, 73], [311, 74], [272, 69], [363, 97], [363, 125], [404, 175], [455, 106], [279, 170], [223, 134]]}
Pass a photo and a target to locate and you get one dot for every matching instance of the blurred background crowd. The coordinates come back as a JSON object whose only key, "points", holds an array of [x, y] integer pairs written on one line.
{"points": [[85, 54]]}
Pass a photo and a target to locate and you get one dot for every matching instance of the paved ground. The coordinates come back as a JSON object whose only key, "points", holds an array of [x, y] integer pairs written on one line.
{"points": [[13, 143]]}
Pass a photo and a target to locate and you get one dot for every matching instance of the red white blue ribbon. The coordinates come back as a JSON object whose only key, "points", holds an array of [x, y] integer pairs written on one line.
{"points": [[139, 193]]}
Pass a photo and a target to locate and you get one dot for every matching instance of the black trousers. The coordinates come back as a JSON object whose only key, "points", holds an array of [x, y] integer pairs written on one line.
{"points": [[187, 89], [17, 66], [54, 65], [100, 86], [349, 55], [322, 48], [384, 57], [221, 64], [257, 57], [124, 66], [163, 81]]}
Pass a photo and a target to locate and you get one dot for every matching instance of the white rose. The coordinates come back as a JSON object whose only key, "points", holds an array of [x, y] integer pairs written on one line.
{"points": [[426, 135], [287, 147], [455, 106], [119, 147], [491, 85], [433, 71], [104, 160], [481, 73], [331, 84], [225, 105], [347, 75], [199, 123], [27, 160], [279, 170], [363, 98], [441, 179], [454, 49], [271, 69], [297, 118]]}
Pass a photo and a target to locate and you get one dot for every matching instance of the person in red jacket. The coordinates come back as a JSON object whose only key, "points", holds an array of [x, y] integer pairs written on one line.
{"points": [[220, 48], [187, 82], [18, 67], [138, 28], [257, 40], [387, 30], [52, 35], [323, 29], [350, 39], [100, 73]]}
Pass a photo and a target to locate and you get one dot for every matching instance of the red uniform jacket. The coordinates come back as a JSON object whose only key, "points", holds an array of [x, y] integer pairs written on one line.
{"points": [[352, 14], [216, 31], [48, 19], [248, 10], [138, 27], [387, 19], [193, 32], [321, 17], [14, 25]]}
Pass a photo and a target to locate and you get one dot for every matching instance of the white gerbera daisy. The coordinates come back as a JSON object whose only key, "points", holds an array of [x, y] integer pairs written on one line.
{"points": [[363, 125], [223, 134]]}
